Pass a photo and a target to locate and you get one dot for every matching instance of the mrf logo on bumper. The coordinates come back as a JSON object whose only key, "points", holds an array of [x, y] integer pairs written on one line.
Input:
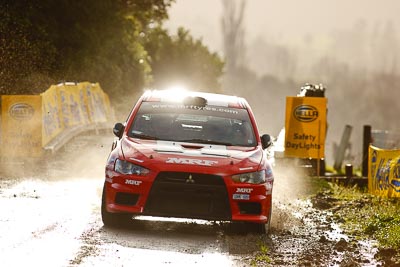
{"points": [[305, 127]]}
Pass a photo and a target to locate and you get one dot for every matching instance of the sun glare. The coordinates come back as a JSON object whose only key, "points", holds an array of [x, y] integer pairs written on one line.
{"points": [[175, 93]]}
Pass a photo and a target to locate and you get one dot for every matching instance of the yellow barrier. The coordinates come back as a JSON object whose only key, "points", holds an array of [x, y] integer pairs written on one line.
{"points": [[52, 115], [21, 125], [96, 101], [70, 105], [29, 123], [384, 172]]}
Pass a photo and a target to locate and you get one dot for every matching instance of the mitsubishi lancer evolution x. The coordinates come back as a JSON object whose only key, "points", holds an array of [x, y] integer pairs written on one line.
{"points": [[189, 155]]}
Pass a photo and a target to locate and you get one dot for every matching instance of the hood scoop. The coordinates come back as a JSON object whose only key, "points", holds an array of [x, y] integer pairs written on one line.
{"points": [[187, 146], [191, 149], [168, 146], [215, 151]]}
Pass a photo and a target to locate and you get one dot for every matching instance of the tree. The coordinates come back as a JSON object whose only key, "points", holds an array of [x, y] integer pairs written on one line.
{"points": [[119, 43], [25, 51], [233, 33], [180, 59], [45, 41]]}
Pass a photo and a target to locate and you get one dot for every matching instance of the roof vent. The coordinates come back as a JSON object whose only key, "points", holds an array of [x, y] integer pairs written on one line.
{"points": [[195, 101]]}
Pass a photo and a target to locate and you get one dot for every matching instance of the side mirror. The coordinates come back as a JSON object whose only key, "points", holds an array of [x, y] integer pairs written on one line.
{"points": [[118, 129], [266, 141]]}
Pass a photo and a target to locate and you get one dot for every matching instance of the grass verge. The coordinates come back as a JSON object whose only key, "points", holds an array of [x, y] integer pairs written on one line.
{"points": [[366, 215]]}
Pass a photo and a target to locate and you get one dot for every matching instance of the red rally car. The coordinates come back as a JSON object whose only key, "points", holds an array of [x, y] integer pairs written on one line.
{"points": [[189, 155]]}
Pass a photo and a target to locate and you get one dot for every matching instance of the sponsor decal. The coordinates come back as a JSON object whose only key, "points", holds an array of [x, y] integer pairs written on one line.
{"points": [[133, 182], [384, 172], [396, 176], [201, 162], [21, 111], [305, 113], [241, 196], [206, 108], [244, 190]]}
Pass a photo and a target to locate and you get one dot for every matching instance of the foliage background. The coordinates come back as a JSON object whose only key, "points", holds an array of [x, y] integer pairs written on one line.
{"points": [[119, 43]]}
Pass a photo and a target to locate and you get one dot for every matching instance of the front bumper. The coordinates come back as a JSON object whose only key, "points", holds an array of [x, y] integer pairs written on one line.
{"points": [[188, 195]]}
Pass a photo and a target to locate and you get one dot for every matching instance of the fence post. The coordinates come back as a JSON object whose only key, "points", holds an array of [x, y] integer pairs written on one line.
{"points": [[344, 142], [349, 173], [367, 140]]}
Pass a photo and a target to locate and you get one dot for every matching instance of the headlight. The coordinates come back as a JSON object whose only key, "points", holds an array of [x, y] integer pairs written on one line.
{"points": [[250, 177], [126, 167]]}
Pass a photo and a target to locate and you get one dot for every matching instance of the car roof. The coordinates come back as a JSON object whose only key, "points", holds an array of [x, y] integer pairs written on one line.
{"points": [[213, 99]]}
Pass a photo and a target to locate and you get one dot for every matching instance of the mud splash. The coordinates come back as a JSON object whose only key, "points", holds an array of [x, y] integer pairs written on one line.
{"points": [[305, 231]]}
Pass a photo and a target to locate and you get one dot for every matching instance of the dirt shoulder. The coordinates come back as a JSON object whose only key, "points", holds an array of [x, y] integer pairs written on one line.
{"points": [[316, 223], [366, 217]]}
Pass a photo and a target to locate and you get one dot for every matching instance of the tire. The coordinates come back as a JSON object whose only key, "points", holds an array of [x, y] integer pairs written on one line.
{"points": [[268, 224], [244, 228], [110, 219], [264, 228]]}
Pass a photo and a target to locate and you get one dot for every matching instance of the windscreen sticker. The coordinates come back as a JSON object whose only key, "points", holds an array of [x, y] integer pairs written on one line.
{"points": [[205, 108]]}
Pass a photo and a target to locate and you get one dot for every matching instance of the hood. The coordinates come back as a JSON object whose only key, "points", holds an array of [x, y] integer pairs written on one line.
{"points": [[181, 153]]}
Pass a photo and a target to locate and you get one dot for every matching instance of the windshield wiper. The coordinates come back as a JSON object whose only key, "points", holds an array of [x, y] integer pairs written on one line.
{"points": [[144, 136], [206, 141]]}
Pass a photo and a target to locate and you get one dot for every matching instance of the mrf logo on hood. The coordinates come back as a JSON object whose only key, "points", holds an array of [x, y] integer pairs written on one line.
{"points": [[188, 161]]}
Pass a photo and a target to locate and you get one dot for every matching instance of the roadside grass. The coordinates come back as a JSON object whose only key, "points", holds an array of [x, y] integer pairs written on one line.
{"points": [[361, 214], [261, 258], [370, 216]]}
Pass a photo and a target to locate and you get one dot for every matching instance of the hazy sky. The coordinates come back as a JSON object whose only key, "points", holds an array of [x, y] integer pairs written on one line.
{"points": [[312, 27], [283, 20]]}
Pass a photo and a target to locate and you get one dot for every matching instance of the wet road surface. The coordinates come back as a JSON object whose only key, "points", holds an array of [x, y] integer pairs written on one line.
{"points": [[51, 217]]}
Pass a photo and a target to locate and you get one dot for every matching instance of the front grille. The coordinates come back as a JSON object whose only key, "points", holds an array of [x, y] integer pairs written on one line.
{"points": [[126, 199], [189, 195], [251, 208], [183, 178]]}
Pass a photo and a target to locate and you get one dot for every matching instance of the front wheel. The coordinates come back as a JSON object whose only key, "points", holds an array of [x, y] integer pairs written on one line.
{"points": [[112, 219], [268, 224], [261, 228], [264, 228]]}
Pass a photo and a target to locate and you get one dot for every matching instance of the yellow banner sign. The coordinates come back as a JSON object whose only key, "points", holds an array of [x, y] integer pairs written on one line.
{"points": [[384, 172], [21, 126], [52, 117], [305, 127], [30, 122]]}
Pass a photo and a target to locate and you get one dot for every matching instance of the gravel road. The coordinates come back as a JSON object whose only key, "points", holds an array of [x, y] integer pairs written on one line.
{"points": [[51, 217]]}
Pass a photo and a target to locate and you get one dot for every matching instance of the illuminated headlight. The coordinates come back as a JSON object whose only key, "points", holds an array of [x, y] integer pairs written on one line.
{"points": [[125, 167], [250, 177]]}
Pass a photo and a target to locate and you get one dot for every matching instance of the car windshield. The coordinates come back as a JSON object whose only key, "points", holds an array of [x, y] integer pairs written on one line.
{"points": [[194, 124]]}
